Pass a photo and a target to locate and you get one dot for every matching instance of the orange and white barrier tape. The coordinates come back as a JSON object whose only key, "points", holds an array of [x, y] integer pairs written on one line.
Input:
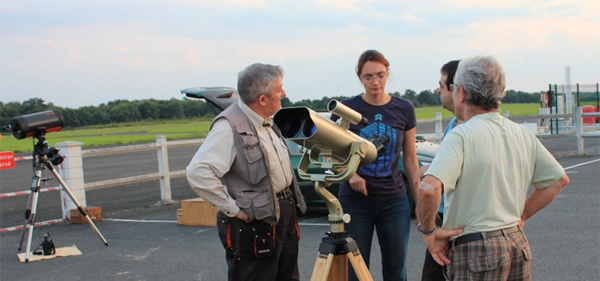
{"points": [[50, 222], [18, 193]]}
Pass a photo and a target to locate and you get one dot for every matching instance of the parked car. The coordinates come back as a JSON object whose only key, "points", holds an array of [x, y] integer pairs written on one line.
{"points": [[222, 97]]}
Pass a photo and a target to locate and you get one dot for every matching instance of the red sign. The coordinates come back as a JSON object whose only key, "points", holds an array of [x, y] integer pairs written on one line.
{"points": [[7, 160]]}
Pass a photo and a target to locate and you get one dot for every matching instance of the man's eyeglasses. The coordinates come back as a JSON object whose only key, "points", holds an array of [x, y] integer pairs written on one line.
{"points": [[370, 78]]}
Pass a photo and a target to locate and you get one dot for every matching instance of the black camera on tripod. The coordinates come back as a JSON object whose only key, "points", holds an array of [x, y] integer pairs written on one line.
{"points": [[37, 125]]}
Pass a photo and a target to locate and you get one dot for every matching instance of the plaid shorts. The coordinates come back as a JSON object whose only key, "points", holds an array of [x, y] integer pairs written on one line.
{"points": [[505, 257]]}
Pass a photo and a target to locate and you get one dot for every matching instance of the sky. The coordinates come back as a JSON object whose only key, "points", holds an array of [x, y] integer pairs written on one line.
{"points": [[81, 53]]}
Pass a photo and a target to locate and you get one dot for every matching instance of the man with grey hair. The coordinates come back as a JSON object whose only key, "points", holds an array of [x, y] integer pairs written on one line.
{"points": [[243, 168], [484, 168]]}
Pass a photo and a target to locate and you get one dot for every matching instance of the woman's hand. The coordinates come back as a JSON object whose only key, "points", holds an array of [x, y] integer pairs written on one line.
{"points": [[358, 184]]}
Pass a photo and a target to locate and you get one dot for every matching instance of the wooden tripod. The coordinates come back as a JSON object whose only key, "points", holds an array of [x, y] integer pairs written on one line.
{"points": [[337, 247], [332, 259]]}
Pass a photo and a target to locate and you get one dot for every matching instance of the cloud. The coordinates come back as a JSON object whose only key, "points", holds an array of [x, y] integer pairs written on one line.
{"points": [[192, 58], [342, 4], [244, 4], [119, 49], [75, 53], [111, 51]]}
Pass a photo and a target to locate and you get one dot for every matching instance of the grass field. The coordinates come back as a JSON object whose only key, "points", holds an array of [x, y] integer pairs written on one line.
{"points": [[514, 109], [115, 134], [145, 132]]}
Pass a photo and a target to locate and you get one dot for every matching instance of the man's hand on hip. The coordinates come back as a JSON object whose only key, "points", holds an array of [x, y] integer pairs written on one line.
{"points": [[243, 216], [437, 243]]}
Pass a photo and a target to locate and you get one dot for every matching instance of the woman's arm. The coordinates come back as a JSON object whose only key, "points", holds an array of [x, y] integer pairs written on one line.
{"points": [[410, 161]]}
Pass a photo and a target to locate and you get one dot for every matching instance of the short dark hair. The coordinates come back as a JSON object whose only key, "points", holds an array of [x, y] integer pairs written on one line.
{"points": [[370, 55], [449, 69]]}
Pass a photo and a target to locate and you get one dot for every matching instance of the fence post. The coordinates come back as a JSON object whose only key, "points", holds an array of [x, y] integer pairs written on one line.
{"points": [[438, 126], [163, 168], [71, 171], [579, 120]]}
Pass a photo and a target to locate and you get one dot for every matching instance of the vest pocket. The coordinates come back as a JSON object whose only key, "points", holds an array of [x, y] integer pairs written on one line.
{"points": [[254, 157], [256, 166], [255, 204]]}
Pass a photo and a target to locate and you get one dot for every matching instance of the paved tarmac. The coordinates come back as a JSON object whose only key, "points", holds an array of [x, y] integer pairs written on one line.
{"points": [[146, 243]]}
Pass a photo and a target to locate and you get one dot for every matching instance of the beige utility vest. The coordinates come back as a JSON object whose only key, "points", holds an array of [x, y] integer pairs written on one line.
{"points": [[248, 178]]}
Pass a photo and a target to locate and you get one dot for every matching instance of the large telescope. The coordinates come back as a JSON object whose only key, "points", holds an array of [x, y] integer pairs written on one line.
{"points": [[331, 145], [31, 125], [307, 128]]}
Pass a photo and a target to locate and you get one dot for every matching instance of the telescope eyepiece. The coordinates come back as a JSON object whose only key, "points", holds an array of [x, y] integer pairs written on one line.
{"points": [[379, 142]]}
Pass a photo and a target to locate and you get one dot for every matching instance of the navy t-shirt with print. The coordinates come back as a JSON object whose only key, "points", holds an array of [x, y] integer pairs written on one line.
{"points": [[382, 176]]}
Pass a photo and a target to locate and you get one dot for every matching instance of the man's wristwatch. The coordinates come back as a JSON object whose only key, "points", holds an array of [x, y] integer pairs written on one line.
{"points": [[426, 232]]}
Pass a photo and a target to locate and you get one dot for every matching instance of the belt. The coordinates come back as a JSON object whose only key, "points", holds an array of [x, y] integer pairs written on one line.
{"points": [[285, 193], [480, 235]]}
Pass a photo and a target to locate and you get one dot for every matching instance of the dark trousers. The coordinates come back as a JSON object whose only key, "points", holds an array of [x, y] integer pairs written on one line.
{"points": [[432, 271], [261, 251], [390, 220]]}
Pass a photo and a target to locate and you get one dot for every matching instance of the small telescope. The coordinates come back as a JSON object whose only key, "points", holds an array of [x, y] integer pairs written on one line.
{"points": [[31, 125]]}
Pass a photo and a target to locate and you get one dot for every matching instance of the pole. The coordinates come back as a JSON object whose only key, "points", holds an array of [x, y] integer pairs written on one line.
{"points": [[579, 120], [163, 168]]}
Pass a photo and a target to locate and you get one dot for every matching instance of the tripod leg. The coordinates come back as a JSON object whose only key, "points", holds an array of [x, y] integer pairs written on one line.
{"points": [[357, 262], [31, 208], [359, 266], [66, 188], [322, 267], [26, 223], [31, 225], [324, 262]]}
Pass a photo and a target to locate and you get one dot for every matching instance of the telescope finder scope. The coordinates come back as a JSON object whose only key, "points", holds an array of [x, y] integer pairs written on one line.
{"points": [[346, 113]]}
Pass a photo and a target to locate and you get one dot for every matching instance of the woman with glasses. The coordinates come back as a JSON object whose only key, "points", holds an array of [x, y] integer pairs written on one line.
{"points": [[376, 196]]}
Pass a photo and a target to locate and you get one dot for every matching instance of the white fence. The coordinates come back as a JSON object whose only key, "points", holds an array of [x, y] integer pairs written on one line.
{"points": [[579, 126], [71, 169]]}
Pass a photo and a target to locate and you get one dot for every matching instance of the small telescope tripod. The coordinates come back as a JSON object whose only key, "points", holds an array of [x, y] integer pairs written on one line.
{"points": [[42, 153]]}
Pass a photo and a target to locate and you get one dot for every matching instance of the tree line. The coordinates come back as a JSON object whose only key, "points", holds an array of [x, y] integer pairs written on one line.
{"points": [[119, 111]]}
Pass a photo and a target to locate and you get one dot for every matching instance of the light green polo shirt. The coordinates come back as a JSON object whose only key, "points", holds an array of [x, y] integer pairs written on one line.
{"points": [[486, 166]]}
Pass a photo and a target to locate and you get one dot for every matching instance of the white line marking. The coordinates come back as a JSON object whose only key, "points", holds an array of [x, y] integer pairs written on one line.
{"points": [[169, 221], [314, 224], [589, 162], [124, 220]]}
